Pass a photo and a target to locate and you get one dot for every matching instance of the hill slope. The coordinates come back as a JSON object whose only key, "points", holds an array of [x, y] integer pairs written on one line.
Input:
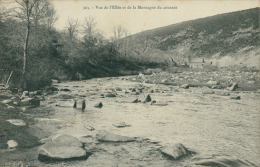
{"points": [[235, 35]]}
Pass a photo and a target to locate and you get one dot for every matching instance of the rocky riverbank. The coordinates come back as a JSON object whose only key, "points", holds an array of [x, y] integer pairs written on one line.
{"points": [[147, 120]]}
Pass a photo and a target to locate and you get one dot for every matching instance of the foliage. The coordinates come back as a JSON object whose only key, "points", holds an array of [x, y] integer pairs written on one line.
{"points": [[81, 50]]}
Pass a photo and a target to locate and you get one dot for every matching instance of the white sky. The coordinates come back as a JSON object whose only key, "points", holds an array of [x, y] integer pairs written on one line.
{"points": [[136, 20]]}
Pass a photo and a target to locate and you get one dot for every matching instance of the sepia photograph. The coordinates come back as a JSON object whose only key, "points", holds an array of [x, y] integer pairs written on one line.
{"points": [[129, 83]]}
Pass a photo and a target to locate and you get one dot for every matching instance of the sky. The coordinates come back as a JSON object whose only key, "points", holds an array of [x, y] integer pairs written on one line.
{"points": [[137, 20]]}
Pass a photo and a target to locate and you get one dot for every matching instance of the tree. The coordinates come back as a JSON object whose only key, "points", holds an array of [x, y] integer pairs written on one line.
{"points": [[40, 12], [143, 41], [24, 19], [89, 29], [119, 32], [72, 27], [25, 7], [126, 40]]}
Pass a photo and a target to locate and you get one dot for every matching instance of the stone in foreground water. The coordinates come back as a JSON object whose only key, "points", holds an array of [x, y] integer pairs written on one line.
{"points": [[109, 137], [17, 122], [177, 151], [62, 148]]}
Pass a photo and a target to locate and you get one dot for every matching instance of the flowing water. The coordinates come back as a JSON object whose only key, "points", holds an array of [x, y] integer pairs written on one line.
{"points": [[207, 124]]}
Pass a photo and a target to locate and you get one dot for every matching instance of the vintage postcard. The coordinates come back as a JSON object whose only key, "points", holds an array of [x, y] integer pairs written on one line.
{"points": [[125, 83]]}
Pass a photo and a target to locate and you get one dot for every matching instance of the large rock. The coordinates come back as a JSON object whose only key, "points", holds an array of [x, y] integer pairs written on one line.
{"points": [[134, 93], [99, 105], [26, 102], [217, 87], [144, 98], [25, 94], [222, 93], [185, 86], [250, 82], [109, 137], [208, 91], [233, 87], [7, 101], [177, 151], [65, 96], [121, 125], [235, 97], [110, 95], [61, 148], [221, 161], [80, 103], [12, 144], [65, 90], [17, 122], [160, 103], [90, 128], [213, 82], [135, 100]]}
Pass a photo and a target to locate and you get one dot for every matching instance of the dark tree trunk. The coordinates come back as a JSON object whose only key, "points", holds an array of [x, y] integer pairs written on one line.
{"points": [[23, 83]]}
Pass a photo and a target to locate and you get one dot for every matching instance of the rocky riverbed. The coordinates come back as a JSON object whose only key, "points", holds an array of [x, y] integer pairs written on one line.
{"points": [[176, 125]]}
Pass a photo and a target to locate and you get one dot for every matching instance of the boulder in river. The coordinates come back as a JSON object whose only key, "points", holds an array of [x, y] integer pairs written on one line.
{"points": [[144, 98], [250, 82], [7, 101], [217, 87], [134, 93], [221, 161], [26, 101], [109, 137], [90, 128], [121, 125], [222, 93], [160, 103], [177, 151], [12, 144], [65, 90], [64, 147], [98, 105], [235, 97], [135, 101], [110, 95], [25, 94], [208, 91], [185, 86], [233, 87], [118, 89], [213, 82], [17, 122], [65, 96]]}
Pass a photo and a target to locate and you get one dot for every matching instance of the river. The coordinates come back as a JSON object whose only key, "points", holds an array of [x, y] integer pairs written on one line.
{"points": [[208, 124]]}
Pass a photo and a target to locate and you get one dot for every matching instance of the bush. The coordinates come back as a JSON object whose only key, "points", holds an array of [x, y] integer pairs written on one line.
{"points": [[41, 71]]}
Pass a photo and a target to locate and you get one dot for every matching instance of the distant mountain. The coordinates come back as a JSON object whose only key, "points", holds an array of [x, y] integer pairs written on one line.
{"points": [[229, 34]]}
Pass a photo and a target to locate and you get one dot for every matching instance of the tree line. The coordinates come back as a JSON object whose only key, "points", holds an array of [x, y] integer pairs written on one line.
{"points": [[35, 52]]}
